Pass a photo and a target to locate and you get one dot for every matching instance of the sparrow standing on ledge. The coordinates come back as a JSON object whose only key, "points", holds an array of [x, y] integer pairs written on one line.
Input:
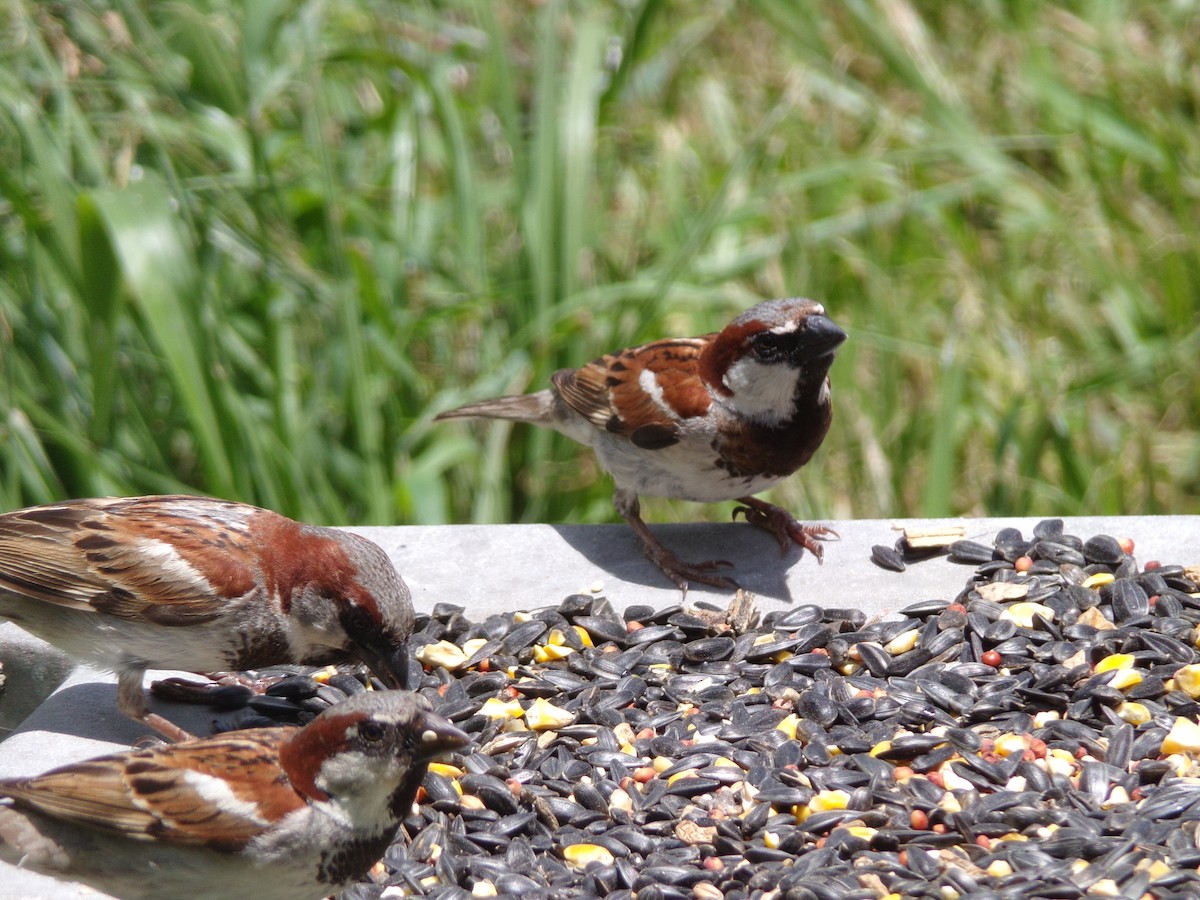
{"points": [[288, 813], [198, 584], [717, 417]]}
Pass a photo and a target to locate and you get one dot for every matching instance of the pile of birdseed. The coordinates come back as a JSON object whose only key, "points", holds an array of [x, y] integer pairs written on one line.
{"points": [[1035, 736]]}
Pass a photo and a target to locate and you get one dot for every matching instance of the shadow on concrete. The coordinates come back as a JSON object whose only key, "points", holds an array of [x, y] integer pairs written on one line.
{"points": [[32, 672], [89, 710], [758, 566]]}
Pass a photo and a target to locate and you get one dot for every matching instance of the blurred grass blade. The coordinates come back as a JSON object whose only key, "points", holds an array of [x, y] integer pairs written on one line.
{"points": [[158, 268], [578, 141], [101, 292], [942, 464]]}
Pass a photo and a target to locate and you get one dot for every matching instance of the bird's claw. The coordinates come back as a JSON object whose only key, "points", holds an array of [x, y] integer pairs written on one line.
{"points": [[787, 530], [682, 572]]}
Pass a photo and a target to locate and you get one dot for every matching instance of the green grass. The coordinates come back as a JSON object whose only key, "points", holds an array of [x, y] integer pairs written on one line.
{"points": [[252, 249]]}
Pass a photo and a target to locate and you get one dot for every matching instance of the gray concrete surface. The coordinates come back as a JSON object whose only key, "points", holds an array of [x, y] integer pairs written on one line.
{"points": [[508, 567]]}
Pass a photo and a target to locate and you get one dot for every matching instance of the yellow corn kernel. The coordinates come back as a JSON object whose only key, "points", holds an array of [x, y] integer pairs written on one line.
{"points": [[1099, 580], [442, 654], [1007, 744], [1187, 679], [1116, 661], [498, 709], [1124, 679], [543, 715], [902, 642], [827, 800], [1159, 869], [621, 800], [1022, 613], [473, 646], [325, 674], [788, 725], [580, 855], [1184, 737], [583, 635], [1133, 713], [1118, 796], [550, 652], [955, 782], [881, 747]]}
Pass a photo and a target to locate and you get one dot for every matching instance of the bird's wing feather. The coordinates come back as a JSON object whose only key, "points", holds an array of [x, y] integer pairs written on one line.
{"points": [[170, 793], [134, 558], [642, 393]]}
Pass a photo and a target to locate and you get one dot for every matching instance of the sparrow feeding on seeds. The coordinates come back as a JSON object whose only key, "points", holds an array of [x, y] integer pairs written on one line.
{"points": [[198, 584], [710, 418], [281, 812]]}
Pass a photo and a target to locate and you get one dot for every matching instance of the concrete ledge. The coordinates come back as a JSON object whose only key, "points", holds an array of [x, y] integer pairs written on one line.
{"points": [[498, 568], [490, 568]]}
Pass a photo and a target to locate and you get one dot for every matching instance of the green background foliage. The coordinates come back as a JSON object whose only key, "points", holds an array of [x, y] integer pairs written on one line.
{"points": [[251, 249]]}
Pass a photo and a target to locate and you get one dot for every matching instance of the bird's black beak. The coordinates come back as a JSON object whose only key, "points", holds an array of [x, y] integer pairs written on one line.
{"points": [[437, 736], [390, 665], [820, 336]]}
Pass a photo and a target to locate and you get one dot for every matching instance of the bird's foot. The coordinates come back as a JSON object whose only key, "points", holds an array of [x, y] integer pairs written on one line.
{"points": [[787, 530], [168, 729], [227, 692], [131, 700], [682, 573]]}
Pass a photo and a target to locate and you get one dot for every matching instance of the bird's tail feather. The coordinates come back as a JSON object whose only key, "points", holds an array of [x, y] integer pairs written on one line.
{"points": [[536, 407]]}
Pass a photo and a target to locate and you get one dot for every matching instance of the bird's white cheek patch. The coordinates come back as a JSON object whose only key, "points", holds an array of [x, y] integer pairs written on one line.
{"points": [[763, 392], [362, 785], [218, 793]]}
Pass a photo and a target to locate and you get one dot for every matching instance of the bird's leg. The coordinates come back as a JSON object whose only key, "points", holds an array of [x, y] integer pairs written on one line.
{"points": [[780, 523], [680, 572], [131, 699]]}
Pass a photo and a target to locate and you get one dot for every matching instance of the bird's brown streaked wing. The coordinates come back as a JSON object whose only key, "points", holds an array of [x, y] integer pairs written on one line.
{"points": [[610, 392], [160, 793], [39, 557], [676, 367], [172, 560]]}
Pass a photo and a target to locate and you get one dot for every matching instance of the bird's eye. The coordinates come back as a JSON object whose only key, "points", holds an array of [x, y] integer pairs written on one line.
{"points": [[769, 345], [372, 732], [357, 621]]}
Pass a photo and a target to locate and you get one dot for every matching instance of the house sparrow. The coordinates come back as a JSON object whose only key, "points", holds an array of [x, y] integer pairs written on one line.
{"points": [[716, 417], [198, 584], [266, 813]]}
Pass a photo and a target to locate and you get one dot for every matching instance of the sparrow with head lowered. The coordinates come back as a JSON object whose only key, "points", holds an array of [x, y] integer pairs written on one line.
{"points": [[288, 813], [717, 417], [198, 584]]}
